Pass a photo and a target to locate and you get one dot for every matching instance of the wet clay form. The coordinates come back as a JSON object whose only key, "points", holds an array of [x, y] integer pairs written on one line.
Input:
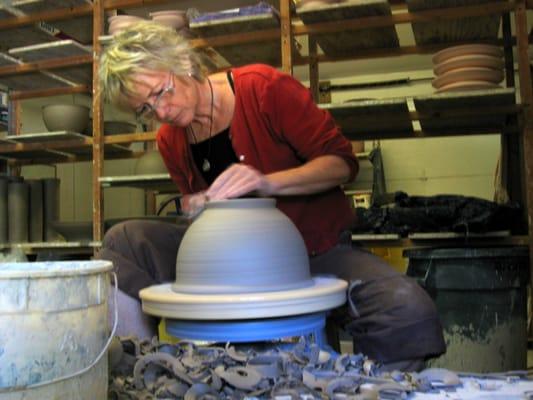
{"points": [[468, 67], [242, 259]]}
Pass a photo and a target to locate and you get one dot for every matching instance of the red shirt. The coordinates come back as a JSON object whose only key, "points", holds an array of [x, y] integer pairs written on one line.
{"points": [[276, 126]]}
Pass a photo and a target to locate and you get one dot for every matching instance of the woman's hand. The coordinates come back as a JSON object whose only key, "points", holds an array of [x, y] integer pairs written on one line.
{"points": [[238, 180], [193, 204]]}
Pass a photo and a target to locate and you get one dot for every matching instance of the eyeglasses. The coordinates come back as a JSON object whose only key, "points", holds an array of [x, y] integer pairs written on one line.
{"points": [[148, 111]]}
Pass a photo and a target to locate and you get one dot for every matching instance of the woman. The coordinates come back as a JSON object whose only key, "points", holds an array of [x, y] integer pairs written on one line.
{"points": [[255, 130]]}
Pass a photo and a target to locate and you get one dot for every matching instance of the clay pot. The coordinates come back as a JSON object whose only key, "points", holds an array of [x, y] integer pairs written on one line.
{"points": [[468, 85], [173, 18], [467, 49], [74, 231], [241, 246], [150, 163], [468, 74], [66, 117], [468, 61], [118, 23]]}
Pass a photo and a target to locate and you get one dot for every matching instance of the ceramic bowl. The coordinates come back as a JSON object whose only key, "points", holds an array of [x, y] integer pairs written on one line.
{"points": [[467, 85], [150, 163], [74, 231], [241, 246], [66, 117], [467, 49], [118, 23], [468, 61], [174, 21], [468, 74]]}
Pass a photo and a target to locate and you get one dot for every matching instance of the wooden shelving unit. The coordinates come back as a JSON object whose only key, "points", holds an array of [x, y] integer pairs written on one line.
{"points": [[494, 111]]}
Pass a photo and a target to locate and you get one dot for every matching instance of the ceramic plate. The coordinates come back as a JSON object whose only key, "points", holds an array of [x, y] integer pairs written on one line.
{"points": [[325, 294], [468, 74], [468, 61], [467, 49], [467, 85]]}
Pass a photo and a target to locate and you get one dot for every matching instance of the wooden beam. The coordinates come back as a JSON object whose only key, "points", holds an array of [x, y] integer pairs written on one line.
{"points": [[130, 137], [286, 36], [54, 63], [526, 95], [98, 124], [314, 78], [31, 94]]}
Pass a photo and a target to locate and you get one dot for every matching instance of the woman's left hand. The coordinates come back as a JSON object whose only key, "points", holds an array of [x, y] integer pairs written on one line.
{"points": [[238, 180]]}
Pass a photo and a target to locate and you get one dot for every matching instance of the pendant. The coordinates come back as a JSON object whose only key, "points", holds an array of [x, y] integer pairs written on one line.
{"points": [[206, 166]]}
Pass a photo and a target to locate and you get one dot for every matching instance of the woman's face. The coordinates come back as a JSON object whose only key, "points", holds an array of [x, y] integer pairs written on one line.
{"points": [[162, 96]]}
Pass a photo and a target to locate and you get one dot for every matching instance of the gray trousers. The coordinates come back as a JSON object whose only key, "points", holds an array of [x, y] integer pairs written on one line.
{"points": [[392, 318]]}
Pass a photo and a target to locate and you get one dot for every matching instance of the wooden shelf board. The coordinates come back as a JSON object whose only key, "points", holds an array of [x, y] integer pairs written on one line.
{"points": [[387, 240], [44, 137], [366, 117], [42, 51], [470, 28], [346, 43], [159, 182], [479, 100], [244, 53], [23, 36]]}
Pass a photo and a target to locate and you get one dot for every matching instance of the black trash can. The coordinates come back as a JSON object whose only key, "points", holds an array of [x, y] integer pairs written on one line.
{"points": [[481, 298]]}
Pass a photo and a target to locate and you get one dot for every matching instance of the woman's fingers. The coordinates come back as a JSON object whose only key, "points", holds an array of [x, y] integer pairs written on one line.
{"points": [[237, 180]]}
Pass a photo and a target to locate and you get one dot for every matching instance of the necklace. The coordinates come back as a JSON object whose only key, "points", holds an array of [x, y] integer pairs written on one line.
{"points": [[206, 165]]}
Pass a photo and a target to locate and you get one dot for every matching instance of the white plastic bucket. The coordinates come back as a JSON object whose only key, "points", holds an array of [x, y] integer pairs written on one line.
{"points": [[53, 327]]}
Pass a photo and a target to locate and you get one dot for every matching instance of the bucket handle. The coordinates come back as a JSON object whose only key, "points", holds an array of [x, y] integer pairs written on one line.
{"points": [[84, 370], [423, 281]]}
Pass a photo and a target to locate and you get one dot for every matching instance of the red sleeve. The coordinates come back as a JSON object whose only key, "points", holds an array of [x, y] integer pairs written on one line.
{"points": [[309, 130]]}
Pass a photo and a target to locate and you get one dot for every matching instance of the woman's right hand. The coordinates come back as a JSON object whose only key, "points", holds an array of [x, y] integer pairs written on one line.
{"points": [[193, 204]]}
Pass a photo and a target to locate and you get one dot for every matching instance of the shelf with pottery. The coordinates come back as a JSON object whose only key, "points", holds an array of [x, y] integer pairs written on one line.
{"points": [[432, 23], [55, 147], [453, 113]]}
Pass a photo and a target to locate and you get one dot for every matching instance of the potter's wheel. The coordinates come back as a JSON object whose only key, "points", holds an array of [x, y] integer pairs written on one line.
{"points": [[325, 293], [242, 267]]}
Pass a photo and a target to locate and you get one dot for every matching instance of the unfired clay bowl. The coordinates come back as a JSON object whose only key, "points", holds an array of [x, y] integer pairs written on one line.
{"points": [[66, 117], [150, 163], [241, 246]]}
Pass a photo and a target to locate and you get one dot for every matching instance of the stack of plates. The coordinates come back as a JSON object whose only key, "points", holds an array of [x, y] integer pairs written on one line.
{"points": [[468, 67]]}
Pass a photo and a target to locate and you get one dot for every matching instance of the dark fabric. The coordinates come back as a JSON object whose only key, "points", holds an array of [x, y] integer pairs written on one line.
{"points": [[219, 159], [276, 126], [442, 213], [396, 319], [143, 253]]}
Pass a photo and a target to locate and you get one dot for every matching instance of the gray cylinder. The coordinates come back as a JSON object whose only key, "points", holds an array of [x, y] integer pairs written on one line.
{"points": [[36, 210], [51, 208], [18, 195], [3, 210]]}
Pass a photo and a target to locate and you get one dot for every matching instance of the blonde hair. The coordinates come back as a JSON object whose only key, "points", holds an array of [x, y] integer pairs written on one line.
{"points": [[144, 46]]}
